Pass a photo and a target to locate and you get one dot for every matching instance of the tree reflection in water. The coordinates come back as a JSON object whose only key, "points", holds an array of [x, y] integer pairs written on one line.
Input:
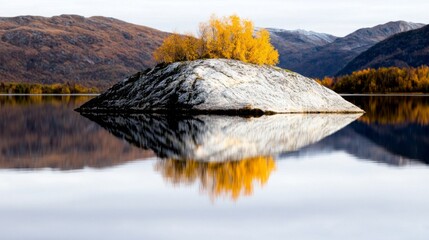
{"points": [[393, 109], [229, 179]]}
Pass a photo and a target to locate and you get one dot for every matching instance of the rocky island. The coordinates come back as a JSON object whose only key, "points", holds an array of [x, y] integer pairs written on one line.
{"points": [[218, 86]]}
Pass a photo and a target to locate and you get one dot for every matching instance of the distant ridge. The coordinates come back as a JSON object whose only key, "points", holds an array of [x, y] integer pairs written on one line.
{"points": [[408, 49], [327, 59], [94, 51], [293, 44]]}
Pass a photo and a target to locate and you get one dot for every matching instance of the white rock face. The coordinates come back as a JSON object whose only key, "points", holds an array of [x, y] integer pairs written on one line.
{"points": [[219, 85]]}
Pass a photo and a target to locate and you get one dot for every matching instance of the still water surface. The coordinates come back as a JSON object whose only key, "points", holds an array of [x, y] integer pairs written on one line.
{"points": [[67, 176]]}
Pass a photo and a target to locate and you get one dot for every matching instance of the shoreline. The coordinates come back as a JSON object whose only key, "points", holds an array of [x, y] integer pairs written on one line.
{"points": [[341, 94], [384, 94], [49, 94]]}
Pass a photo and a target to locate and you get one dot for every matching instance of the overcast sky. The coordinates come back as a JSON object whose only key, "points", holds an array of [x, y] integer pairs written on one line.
{"points": [[338, 17]]}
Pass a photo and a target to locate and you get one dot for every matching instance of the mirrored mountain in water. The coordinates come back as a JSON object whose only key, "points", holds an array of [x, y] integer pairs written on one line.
{"points": [[399, 144], [213, 138], [44, 132]]}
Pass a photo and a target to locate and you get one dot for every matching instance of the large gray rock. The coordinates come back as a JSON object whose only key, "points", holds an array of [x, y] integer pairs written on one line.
{"points": [[219, 85]]}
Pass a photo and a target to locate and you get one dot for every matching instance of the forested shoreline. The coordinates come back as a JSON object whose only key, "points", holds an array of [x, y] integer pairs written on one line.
{"points": [[36, 88], [381, 80]]}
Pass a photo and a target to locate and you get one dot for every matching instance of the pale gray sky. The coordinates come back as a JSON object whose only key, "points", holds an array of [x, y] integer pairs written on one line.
{"points": [[338, 17]]}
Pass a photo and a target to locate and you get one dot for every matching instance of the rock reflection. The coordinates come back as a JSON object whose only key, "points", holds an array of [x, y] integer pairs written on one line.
{"points": [[219, 179], [226, 155], [222, 138]]}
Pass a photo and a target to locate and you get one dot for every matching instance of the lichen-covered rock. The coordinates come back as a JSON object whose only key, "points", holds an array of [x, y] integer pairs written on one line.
{"points": [[219, 85]]}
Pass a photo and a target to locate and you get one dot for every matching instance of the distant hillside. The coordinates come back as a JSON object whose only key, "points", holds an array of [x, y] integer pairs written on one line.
{"points": [[327, 60], [408, 49], [291, 44], [95, 51]]}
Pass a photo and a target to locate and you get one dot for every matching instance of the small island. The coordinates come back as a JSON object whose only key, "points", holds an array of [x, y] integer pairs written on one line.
{"points": [[228, 69]]}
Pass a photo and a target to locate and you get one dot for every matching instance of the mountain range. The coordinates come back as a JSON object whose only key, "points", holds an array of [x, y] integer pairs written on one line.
{"points": [[99, 51], [293, 45], [407, 49], [319, 55]]}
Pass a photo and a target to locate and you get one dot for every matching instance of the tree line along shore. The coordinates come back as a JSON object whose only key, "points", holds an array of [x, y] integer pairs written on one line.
{"points": [[36, 88], [381, 80]]}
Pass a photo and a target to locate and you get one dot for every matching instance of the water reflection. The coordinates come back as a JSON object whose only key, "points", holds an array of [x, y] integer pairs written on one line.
{"points": [[393, 110], [221, 138], [229, 179], [226, 155], [331, 186], [394, 130], [45, 132], [398, 124]]}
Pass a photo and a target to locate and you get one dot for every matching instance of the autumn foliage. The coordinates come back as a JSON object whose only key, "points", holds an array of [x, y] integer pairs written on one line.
{"points": [[35, 88], [381, 80], [228, 37]]}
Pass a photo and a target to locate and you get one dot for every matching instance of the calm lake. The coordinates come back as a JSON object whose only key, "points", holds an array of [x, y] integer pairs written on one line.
{"points": [[326, 176]]}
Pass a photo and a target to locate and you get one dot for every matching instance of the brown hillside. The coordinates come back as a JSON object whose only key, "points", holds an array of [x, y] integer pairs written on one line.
{"points": [[95, 51]]}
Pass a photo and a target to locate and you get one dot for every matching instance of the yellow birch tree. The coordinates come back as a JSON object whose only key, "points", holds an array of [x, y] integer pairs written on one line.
{"points": [[227, 37]]}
